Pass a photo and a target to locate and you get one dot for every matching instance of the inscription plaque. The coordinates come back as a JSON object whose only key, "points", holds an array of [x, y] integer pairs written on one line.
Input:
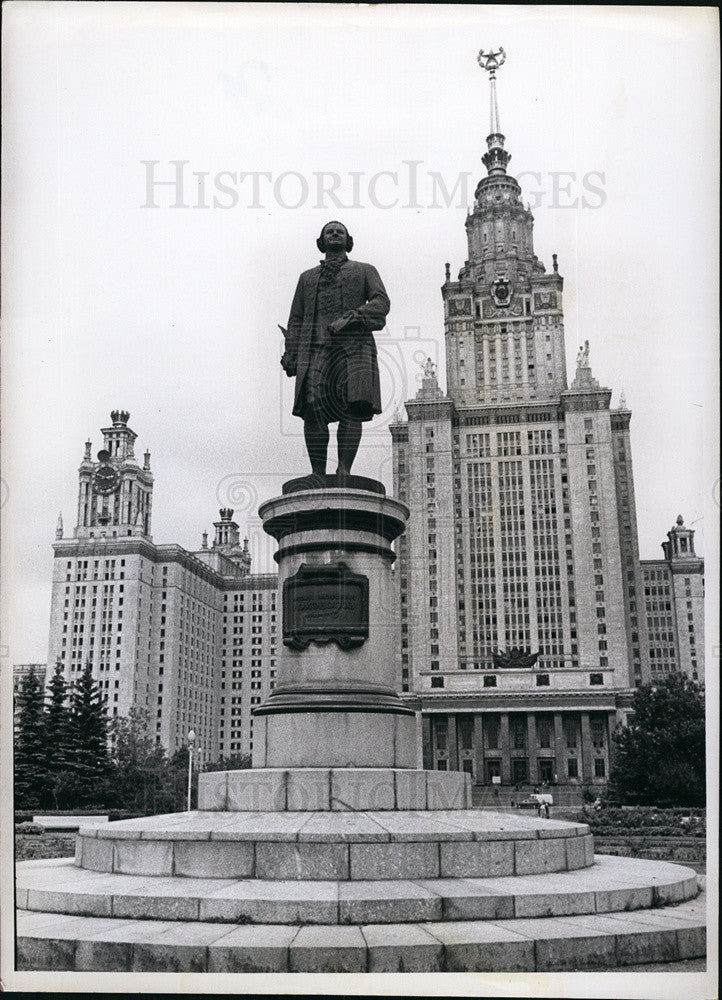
{"points": [[325, 604]]}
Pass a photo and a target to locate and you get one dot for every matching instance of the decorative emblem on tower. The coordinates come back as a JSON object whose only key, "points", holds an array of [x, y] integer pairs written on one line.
{"points": [[491, 61], [106, 477], [514, 658], [501, 290]]}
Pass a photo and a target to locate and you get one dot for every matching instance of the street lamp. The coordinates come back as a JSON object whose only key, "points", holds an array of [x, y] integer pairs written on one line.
{"points": [[191, 741]]}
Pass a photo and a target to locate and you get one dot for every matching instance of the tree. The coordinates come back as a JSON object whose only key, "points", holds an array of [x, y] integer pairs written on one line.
{"points": [[89, 740], [660, 754], [30, 755], [235, 762], [58, 740], [139, 763]]}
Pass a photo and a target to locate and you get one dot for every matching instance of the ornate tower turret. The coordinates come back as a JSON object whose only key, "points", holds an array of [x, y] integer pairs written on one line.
{"points": [[680, 543], [227, 540], [114, 493]]}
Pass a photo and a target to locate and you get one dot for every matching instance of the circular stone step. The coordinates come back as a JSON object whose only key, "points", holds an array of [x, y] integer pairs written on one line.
{"points": [[611, 885], [572, 943], [271, 789], [335, 846]]}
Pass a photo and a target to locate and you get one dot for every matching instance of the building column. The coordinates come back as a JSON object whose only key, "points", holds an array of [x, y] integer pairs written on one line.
{"points": [[532, 748], [426, 748], [504, 747], [611, 726], [418, 718], [560, 757], [587, 771], [453, 743], [478, 740]]}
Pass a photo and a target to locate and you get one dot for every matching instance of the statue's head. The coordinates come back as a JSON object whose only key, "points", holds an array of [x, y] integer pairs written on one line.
{"points": [[333, 236]]}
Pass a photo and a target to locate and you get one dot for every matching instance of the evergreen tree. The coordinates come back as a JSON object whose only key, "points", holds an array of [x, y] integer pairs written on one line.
{"points": [[234, 762], [58, 740], [30, 754], [89, 740], [660, 755]]}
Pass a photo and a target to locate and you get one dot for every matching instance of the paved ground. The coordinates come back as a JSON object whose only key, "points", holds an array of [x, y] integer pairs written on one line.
{"points": [[688, 965]]}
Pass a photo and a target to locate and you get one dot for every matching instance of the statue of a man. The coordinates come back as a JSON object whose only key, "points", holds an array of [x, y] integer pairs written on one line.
{"points": [[331, 350]]}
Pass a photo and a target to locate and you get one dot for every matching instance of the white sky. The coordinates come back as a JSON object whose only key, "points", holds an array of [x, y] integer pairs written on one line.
{"points": [[172, 313]]}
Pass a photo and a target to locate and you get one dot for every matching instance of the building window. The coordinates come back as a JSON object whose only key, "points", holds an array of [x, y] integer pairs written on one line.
{"points": [[519, 734], [573, 768], [544, 733], [491, 728], [597, 731], [599, 767]]}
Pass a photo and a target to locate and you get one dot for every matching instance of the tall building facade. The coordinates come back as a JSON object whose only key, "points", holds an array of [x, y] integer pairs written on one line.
{"points": [[674, 605], [523, 608], [187, 637]]}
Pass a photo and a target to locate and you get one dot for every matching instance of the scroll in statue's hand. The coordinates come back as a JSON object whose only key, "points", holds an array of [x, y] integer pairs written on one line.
{"points": [[288, 363]]}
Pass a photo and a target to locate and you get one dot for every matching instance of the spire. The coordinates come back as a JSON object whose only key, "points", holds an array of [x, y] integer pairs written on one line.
{"points": [[496, 158], [59, 526]]}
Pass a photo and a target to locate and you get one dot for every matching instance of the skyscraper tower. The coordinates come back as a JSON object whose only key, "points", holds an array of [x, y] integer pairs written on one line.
{"points": [[503, 315], [521, 559], [161, 627], [674, 605]]}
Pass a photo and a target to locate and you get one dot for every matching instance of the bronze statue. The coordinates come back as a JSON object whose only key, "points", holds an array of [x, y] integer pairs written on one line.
{"points": [[331, 350]]}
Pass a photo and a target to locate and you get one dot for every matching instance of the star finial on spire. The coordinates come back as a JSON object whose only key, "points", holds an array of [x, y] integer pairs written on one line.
{"points": [[496, 159], [491, 61]]}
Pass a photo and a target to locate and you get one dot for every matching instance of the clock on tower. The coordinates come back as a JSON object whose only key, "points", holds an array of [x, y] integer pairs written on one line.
{"points": [[106, 477]]}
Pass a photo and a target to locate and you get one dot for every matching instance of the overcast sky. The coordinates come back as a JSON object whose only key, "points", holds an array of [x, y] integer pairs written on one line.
{"points": [[171, 313]]}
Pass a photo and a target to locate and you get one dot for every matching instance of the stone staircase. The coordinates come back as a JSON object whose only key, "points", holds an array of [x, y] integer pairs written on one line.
{"points": [[377, 870]]}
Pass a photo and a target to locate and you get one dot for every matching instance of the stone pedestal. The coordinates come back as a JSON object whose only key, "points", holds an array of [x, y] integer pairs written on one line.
{"points": [[335, 702]]}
